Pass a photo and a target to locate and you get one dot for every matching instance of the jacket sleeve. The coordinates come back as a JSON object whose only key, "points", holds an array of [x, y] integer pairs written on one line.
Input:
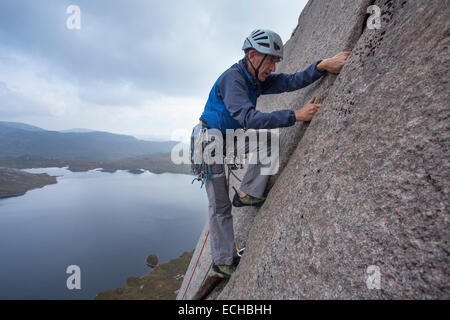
{"points": [[281, 82], [234, 93]]}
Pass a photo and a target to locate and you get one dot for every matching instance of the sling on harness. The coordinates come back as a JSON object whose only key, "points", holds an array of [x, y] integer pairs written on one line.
{"points": [[200, 160], [199, 140]]}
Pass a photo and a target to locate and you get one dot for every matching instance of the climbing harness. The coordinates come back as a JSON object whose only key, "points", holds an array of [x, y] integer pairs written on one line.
{"points": [[198, 142], [199, 159]]}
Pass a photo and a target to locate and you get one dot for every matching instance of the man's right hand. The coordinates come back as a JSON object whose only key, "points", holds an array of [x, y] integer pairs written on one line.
{"points": [[307, 112]]}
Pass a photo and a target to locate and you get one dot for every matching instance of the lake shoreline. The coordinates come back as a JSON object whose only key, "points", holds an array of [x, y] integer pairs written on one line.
{"points": [[9, 189], [161, 283], [15, 182], [91, 220], [155, 163]]}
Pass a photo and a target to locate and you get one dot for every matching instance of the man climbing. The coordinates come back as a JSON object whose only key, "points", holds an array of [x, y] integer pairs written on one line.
{"points": [[231, 105]]}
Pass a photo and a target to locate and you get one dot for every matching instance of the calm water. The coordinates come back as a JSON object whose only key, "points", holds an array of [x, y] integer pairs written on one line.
{"points": [[106, 223]]}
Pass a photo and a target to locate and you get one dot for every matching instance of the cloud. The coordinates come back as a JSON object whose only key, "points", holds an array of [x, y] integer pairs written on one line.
{"points": [[13, 103], [28, 88], [126, 54]]}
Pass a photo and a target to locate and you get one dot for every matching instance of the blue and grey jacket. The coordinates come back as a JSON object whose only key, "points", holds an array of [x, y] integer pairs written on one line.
{"points": [[232, 100]]}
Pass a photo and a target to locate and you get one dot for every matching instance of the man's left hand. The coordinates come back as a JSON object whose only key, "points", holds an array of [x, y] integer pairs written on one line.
{"points": [[335, 64]]}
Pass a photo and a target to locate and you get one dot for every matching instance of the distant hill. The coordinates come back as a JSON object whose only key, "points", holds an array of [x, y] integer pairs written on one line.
{"points": [[80, 130], [19, 125], [17, 139]]}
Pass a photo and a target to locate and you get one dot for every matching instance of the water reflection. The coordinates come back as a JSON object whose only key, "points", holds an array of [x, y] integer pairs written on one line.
{"points": [[106, 223]]}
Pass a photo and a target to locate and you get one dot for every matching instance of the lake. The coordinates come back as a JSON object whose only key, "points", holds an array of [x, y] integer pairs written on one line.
{"points": [[105, 223]]}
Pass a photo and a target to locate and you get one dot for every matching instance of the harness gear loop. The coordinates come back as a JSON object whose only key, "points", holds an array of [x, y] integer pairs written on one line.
{"points": [[198, 165]]}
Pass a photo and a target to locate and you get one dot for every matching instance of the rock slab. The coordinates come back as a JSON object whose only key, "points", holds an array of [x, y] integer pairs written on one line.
{"points": [[360, 210]]}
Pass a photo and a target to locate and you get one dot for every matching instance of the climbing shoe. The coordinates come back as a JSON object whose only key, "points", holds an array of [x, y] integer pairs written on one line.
{"points": [[248, 200], [225, 270]]}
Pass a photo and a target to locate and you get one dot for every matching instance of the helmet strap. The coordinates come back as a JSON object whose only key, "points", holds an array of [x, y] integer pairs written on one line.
{"points": [[256, 70]]}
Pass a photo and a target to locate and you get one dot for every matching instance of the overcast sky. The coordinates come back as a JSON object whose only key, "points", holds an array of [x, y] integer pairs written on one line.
{"points": [[136, 67]]}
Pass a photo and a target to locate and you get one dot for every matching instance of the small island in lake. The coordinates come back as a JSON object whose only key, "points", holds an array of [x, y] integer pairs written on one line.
{"points": [[152, 260]]}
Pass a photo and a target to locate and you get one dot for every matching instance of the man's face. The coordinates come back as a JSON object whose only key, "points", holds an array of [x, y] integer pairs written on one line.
{"points": [[267, 67]]}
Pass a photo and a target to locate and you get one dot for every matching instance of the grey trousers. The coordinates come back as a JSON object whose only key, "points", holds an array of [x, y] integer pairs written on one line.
{"points": [[220, 218]]}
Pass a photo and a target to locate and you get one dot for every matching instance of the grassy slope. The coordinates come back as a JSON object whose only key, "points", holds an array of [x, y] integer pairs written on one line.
{"points": [[160, 284]]}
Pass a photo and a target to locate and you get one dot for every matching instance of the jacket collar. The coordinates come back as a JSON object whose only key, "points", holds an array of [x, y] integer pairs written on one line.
{"points": [[244, 69]]}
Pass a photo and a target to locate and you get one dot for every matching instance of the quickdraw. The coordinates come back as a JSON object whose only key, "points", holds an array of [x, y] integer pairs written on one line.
{"points": [[240, 251], [198, 165], [202, 178]]}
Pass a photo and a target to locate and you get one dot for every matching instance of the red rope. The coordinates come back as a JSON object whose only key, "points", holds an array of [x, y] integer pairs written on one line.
{"points": [[193, 271]]}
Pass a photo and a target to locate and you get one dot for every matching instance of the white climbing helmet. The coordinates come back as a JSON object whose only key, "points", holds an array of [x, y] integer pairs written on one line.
{"points": [[265, 42]]}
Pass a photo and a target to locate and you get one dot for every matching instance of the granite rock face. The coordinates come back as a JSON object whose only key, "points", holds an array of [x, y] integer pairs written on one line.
{"points": [[324, 29], [310, 42], [365, 185]]}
